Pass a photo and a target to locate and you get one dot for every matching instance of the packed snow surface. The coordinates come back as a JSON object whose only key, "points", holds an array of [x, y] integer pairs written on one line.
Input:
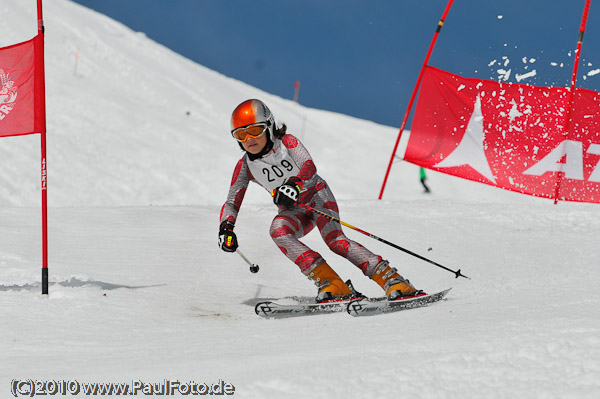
{"points": [[139, 163]]}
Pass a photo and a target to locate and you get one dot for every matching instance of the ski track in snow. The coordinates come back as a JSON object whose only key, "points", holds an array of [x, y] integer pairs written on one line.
{"points": [[140, 291]]}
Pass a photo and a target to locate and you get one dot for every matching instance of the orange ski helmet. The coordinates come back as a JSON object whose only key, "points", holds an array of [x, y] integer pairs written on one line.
{"points": [[250, 112]]}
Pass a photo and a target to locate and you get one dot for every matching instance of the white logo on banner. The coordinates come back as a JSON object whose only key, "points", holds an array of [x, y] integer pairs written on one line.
{"points": [[572, 153], [470, 151], [567, 157], [8, 94]]}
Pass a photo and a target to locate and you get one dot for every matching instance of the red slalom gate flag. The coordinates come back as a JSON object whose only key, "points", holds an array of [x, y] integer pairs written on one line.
{"points": [[21, 89], [513, 136]]}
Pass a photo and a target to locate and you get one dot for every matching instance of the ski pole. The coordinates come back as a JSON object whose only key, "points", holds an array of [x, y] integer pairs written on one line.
{"points": [[253, 268], [457, 273]]}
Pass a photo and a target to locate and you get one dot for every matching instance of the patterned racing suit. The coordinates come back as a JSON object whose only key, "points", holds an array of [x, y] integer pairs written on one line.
{"points": [[290, 158]]}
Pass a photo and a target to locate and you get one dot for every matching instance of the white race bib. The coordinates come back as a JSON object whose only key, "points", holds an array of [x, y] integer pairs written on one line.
{"points": [[272, 170]]}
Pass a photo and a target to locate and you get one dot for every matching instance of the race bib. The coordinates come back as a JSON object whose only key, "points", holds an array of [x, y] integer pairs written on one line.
{"points": [[272, 170]]}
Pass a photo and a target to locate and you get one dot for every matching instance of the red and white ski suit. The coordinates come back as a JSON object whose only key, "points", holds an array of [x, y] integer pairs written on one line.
{"points": [[290, 158]]}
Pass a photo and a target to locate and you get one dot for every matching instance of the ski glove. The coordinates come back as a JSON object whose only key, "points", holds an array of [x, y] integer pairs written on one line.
{"points": [[287, 194], [227, 238]]}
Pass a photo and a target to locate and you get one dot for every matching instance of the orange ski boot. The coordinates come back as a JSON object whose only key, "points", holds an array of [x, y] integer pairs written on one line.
{"points": [[394, 285], [331, 287]]}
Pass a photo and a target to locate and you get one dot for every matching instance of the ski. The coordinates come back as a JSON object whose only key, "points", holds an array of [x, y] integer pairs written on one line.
{"points": [[277, 310], [372, 306]]}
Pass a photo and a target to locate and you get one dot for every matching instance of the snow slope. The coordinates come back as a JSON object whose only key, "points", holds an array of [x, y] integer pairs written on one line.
{"points": [[140, 291]]}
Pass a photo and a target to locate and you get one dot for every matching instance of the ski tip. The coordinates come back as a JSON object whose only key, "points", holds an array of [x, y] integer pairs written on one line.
{"points": [[366, 307]]}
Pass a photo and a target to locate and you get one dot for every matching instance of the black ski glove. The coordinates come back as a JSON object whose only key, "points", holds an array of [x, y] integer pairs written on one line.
{"points": [[288, 193], [227, 238]]}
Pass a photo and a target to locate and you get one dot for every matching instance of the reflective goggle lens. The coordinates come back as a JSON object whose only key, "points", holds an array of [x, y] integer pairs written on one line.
{"points": [[241, 134]]}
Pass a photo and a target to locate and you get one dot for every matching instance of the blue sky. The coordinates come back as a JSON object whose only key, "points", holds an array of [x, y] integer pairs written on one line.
{"points": [[362, 58]]}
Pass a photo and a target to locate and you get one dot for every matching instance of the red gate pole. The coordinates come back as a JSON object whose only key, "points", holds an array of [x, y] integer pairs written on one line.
{"points": [[572, 89], [296, 90], [414, 93], [40, 79]]}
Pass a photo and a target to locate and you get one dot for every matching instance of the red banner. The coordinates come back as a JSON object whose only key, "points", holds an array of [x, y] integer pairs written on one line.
{"points": [[21, 94], [513, 136]]}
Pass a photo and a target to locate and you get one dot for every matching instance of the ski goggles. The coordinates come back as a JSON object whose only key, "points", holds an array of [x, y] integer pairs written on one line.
{"points": [[256, 130]]}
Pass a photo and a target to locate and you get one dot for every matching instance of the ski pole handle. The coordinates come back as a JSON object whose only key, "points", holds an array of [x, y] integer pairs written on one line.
{"points": [[253, 268]]}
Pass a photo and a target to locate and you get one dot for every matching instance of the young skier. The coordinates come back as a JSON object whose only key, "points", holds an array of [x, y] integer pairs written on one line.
{"points": [[281, 164]]}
